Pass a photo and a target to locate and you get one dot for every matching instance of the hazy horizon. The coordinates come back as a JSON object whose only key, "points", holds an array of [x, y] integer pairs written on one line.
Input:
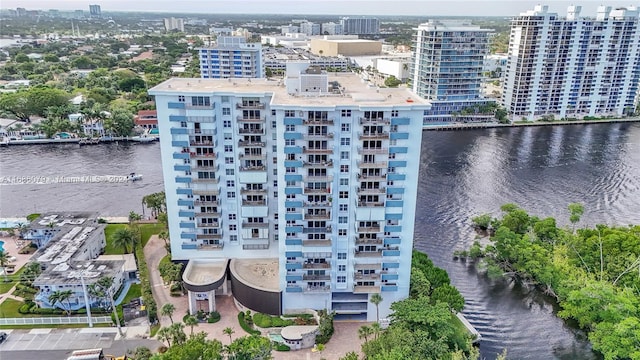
{"points": [[320, 7]]}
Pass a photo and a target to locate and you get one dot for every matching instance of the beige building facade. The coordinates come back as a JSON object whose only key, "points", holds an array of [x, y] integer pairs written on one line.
{"points": [[346, 47]]}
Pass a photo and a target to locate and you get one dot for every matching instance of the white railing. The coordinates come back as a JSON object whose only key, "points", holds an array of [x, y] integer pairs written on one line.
{"points": [[54, 320]]}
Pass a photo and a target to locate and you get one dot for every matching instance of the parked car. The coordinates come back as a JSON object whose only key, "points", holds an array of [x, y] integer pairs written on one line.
{"points": [[3, 337]]}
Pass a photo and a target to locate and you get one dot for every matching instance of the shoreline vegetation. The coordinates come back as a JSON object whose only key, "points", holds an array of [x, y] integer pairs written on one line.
{"points": [[491, 125], [591, 272]]}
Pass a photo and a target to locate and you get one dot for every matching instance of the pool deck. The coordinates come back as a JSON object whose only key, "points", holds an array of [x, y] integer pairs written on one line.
{"points": [[11, 247]]}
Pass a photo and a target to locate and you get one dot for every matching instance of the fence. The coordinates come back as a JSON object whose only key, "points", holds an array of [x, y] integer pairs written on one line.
{"points": [[54, 320]]}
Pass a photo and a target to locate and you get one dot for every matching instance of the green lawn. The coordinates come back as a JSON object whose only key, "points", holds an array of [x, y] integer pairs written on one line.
{"points": [[9, 308], [135, 291], [146, 230], [13, 280]]}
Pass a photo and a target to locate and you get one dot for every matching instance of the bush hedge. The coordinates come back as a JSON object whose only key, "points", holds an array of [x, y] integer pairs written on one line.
{"points": [[214, 317], [267, 321], [147, 295], [281, 347], [245, 326]]}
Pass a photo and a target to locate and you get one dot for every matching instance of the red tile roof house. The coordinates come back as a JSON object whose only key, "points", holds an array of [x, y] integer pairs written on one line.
{"points": [[147, 119]]}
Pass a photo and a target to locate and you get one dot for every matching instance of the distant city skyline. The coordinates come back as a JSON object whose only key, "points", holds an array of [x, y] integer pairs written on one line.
{"points": [[321, 7]]}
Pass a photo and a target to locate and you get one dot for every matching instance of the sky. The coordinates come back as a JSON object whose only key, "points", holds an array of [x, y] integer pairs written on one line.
{"points": [[322, 7]]}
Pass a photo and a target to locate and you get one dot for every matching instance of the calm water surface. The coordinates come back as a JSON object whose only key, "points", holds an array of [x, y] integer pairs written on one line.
{"points": [[463, 174]]}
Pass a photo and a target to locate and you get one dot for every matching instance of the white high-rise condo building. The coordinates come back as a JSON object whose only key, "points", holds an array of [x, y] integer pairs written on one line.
{"points": [[301, 192], [232, 57], [360, 26], [95, 11], [447, 69], [572, 67], [174, 24]]}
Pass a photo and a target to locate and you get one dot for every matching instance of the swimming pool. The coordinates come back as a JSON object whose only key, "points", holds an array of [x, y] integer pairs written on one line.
{"points": [[2, 246], [276, 338]]}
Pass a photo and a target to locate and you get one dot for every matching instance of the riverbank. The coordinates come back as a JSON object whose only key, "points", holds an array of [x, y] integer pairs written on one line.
{"points": [[79, 141], [475, 126]]}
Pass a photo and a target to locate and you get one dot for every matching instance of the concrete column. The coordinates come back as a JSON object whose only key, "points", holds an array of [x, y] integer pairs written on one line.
{"points": [[192, 303], [224, 286], [212, 300]]}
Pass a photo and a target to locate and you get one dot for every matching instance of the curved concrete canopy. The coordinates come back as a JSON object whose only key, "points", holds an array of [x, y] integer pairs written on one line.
{"points": [[204, 275]]}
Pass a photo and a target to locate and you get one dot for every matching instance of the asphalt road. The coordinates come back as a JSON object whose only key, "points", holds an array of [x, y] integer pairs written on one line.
{"points": [[57, 344]]}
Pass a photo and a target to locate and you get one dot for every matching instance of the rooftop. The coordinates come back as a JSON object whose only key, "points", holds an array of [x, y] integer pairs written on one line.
{"points": [[354, 90], [70, 273], [262, 274], [204, 272], [129, 261], [295, 332]]}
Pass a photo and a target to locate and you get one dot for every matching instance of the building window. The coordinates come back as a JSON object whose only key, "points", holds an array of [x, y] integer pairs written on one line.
{"points": [[181, 98], [228, 148], [230, 172], [394, 113], [289, 113], [226, 123], [290, 128], [228, 160], [343, 219], [275, 183], [343, 194], [231, 195], [183, 124], [344, 169], [290, 142], [342, 232], [231, 183], [345, 141], [228, 136], [346, 127], [232, 216], [233, 227], [224, 99], [342, 279], [344, 182], [274, 124], [344, 155], [226, 111], [346, 113], [344, 207], [342, 267], [233, 238], [273, 113], [342, 256], [275, 194], [200, 101]]}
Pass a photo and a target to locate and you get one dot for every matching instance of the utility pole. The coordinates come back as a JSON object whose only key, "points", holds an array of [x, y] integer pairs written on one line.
{"points": [[86, 299], [115, 311]]}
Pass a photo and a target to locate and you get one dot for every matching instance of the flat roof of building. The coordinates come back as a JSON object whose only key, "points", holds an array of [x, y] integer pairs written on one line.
{"points": [[204, 272], [262, 274], [129, 261], [295, 332], [355, 91], [71, 272]]}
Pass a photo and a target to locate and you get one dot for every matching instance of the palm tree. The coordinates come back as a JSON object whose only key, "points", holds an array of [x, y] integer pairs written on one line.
{"points": [[105, 284], [376, 330], [124, 238], [228, 331], [376, 299], [191, 321], [364, 332], [167, 310], [61, 296], [177, 333], [164, 235], [4, 260], [164, 333]]}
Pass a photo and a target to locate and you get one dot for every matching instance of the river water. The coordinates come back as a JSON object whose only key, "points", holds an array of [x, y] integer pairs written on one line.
{"points": [[463, 173]]}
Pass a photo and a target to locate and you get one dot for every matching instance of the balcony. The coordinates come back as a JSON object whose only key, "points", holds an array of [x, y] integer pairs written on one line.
{"points": [[378, 177], [247, 191], [206, 191], [377, 121], [321, 178], [255, 225], [250, 119], [318, 136], [253, 168], [369, 229], [307, 150], [201, 143], [373, 135], [210, 168], [208, 214], [208, 236], [207, 202], [209, 225], [370, 204], [360, 241], [371, 191], [316, 230], [316, 277], [322, 164], [368, 254], [254, 202], [323, 265], [248, 143], [202, 132], [371, 277], [210, 246], [197, 156], [251, 131], [308, 191], [371, 151], [373, 165], [317, 121], [253, 156], [198, 107], [316, 243], [317, 204], [317, 289], [245, 106], [361, 289], [318, 216], [213, 180]]}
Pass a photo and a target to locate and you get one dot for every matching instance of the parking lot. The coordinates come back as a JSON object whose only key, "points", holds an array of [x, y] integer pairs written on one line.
{"points": [[57, 339]]}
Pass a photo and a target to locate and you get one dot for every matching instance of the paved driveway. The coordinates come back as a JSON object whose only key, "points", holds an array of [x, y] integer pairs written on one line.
{"points": [[58, 339]]}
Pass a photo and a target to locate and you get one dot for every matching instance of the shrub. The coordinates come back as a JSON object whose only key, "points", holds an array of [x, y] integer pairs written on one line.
{"points": [[282, 347], [162, 349], [24, 308], [214, 317], [325, 327], [102, 221], [245, 326]]}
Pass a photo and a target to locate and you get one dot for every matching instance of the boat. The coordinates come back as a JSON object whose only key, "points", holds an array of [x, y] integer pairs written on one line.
{"points": [[89, 141], [134, 177], [143, 139]]}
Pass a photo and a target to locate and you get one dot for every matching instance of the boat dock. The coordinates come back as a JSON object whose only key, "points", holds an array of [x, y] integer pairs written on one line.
{"points": [[475, 126], [475, 333], [79, 141]]}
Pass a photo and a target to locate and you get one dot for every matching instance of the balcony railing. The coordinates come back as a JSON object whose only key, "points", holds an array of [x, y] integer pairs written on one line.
{"points": [[213, 180], [317, 204], [380, 177], [377, 121], [318, 163], [318, 216], [370, 204], [246, 143], [373, 135], [209, 236], [201, 143], [202, 132], [316, 289], [207, 202], [317, 121], [215, 167], [316, 277], [322, 178], [246, 191], [194, 155], [253, 156], [198, 107], [316, 230], [250, 106], [250, 119], [360, 241], [255, 225], [318, 136], [316, 191], [373, 277], [361, 289], [368, 254], [327, 150], [252, 131], [209, 225], [253, 168], [206, 191], [208, 214], [364, 191], [316, 242], [210, 246], [369, 229], [254, 202], [316, 265], [373, 165], [370, 151]]}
